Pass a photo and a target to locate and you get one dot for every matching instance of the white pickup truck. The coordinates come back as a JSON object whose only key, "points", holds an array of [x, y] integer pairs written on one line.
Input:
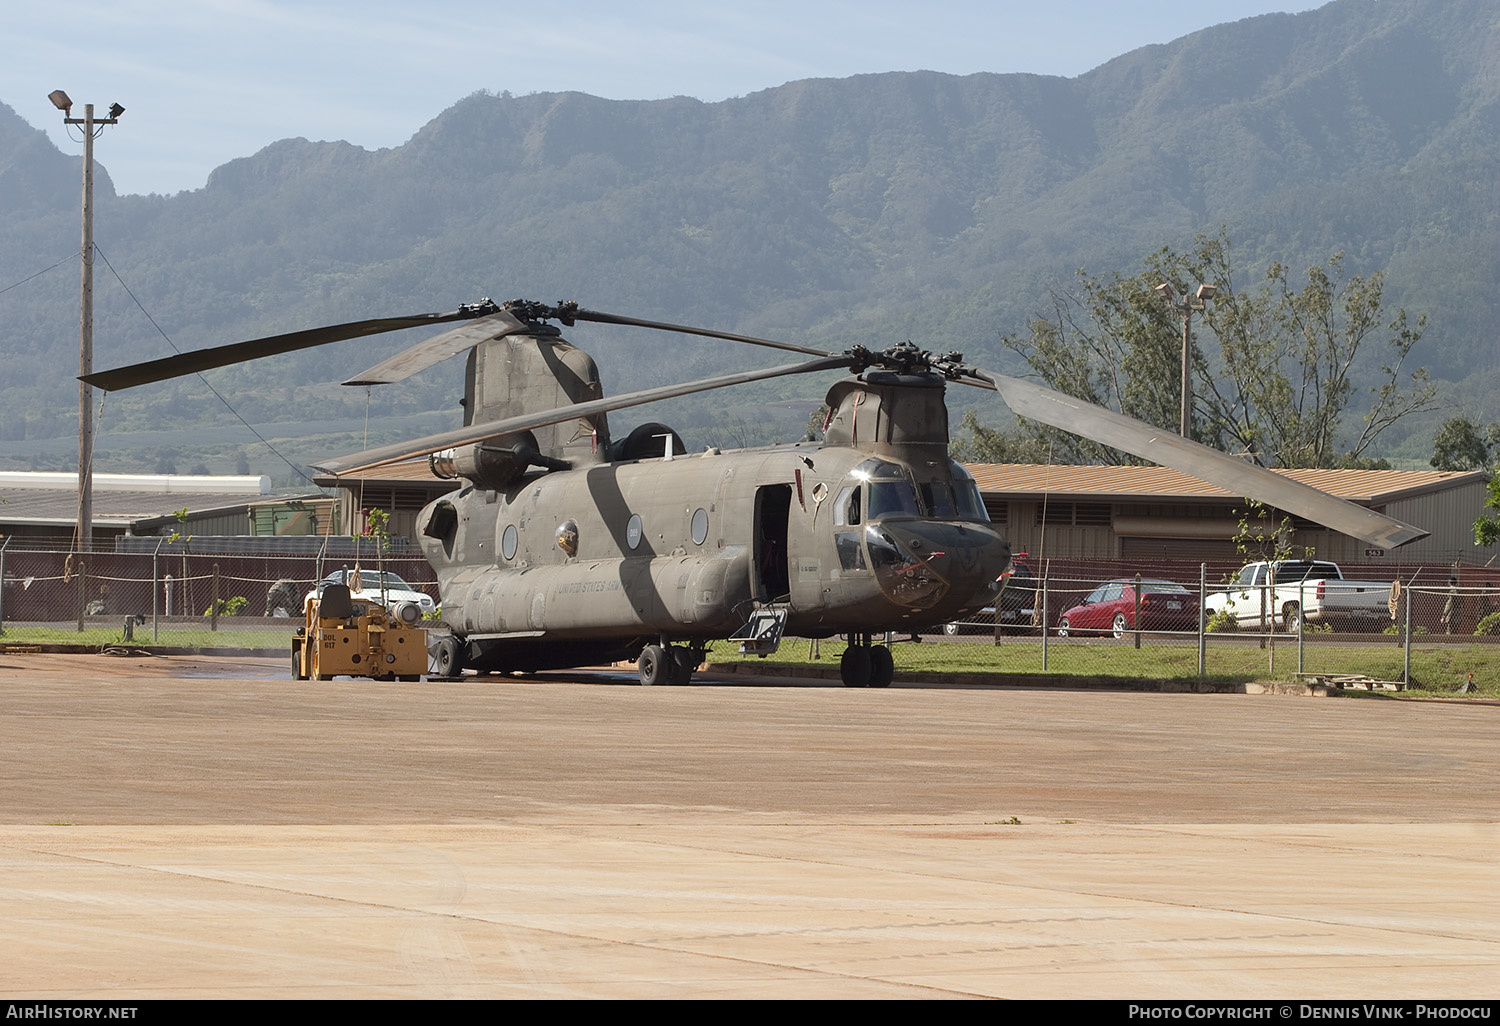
{"points": [[1295, 591]]}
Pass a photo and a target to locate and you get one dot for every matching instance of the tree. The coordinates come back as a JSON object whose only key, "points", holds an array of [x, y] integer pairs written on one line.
{"points": [[1487, 527], [1458, 445], [1277, 381], [990, 445]]}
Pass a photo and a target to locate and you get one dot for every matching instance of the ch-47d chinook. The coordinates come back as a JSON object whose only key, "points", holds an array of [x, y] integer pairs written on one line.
{"points": [[564, 548]]}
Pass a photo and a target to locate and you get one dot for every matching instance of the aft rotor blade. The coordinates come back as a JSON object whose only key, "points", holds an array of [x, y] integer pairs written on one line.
{"points": [[1228, 472], [272, 345], [371, 458], [608, 318], [439, 348]]}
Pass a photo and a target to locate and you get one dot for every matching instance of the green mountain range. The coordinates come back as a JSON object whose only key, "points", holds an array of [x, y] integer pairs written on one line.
{"points": [[867, 210]]}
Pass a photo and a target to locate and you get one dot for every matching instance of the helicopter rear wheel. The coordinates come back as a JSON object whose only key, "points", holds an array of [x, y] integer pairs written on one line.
{"points": [[654, 666], [684, 662], [855, 666]]}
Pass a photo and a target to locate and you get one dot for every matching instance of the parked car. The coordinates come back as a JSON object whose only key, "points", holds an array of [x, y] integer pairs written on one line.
{"points": [[1016, 603], [389, 589], [1111, 608]]}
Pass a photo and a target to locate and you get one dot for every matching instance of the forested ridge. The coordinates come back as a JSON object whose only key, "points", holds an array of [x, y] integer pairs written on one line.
{"points": [[867, 210]]}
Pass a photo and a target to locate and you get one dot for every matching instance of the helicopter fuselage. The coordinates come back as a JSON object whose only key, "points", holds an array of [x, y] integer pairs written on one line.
{"points": [[572, 566]]}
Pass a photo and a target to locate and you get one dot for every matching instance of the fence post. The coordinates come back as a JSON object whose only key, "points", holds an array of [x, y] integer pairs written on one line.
{"points": [[1301, 619], [1046, 617], [213, 620], [1406, 660], [155, 594], [3, 547], [1202, 620], [1137, 610], [82, 591]]}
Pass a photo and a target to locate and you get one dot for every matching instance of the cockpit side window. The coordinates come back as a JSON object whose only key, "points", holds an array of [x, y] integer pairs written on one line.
{"points": [[846, 506]]}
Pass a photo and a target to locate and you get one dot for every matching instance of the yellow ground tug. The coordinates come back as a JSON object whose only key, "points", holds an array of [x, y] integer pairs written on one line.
{"points": [[350, 637]]}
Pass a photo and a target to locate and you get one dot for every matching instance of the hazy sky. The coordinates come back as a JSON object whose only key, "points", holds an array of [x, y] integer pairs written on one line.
{"points": [[205, 81]]}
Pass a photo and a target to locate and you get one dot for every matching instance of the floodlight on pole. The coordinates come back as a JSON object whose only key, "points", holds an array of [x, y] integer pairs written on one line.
{"points": [[1185, 306], [91, 127]]}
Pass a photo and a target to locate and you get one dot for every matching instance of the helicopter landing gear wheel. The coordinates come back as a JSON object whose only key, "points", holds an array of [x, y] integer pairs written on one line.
{"points": [[654, 666], [684, 661], [447, 658], [855, 666], [882, 667]]}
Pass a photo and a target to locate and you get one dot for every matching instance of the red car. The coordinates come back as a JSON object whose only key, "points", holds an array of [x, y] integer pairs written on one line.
{"points": [[1164, 606]]}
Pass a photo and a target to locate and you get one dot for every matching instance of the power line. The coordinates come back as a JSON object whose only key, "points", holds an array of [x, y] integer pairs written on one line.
{"points": [[38, 274], [250, 427]]}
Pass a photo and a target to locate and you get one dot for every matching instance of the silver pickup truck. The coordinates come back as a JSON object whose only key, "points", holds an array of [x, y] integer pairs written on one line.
{"points": [[1295, 591]]}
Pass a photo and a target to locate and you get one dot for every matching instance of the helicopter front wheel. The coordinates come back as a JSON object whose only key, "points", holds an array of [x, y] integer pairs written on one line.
{"points": [[654, 665], [447, 657]]}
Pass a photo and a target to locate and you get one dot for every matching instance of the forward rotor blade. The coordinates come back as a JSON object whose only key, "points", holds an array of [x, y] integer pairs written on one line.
{"points": [[1228, 472], [439, 348], [607, 318], [272, 345], [371, 458]]}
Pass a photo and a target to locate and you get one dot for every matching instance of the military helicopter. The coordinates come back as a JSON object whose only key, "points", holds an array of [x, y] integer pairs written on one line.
{"points": [[565, 548]]}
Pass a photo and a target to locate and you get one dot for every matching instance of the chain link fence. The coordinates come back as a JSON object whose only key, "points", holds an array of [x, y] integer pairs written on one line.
{"points": [[1414, 624], [173, 598], [1099, 618]]}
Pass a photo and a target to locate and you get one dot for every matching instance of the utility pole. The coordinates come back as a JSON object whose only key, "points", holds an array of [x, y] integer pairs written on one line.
{"points": [[1185, 306], [91, 127]]}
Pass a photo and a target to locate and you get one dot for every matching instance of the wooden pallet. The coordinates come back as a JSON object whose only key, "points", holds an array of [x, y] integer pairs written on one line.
{"points": [[1352, 680]]}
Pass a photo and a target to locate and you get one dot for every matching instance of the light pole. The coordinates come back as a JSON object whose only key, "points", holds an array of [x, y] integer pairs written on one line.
{"points": [[91, 127], [1185, 306]]}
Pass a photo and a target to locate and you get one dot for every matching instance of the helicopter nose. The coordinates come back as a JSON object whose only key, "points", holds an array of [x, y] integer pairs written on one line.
{"points": [[922, 564]]}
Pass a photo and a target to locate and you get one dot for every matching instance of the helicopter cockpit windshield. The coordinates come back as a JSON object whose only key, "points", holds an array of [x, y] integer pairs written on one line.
{"points": [[908, 522], [888, 489], [879, 489], [966, 500]]}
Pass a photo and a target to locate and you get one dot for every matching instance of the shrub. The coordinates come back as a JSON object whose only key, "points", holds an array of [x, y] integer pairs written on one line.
{"points": [[229, 607], [1488, 625], [1222, 622]]}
